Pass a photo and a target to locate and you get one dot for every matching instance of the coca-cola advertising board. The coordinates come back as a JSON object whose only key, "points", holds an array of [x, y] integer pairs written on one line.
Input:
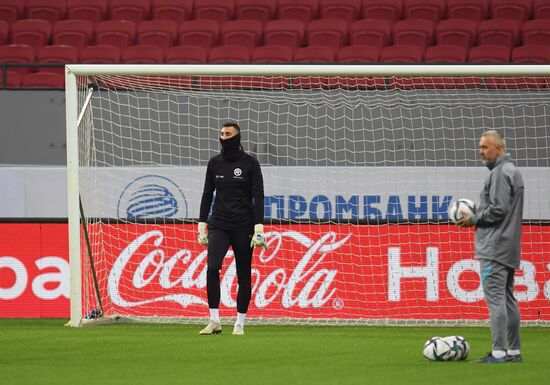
{"points": [[415, 271]]}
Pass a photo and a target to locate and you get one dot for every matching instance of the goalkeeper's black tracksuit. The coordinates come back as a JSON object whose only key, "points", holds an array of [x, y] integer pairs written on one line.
{"points": [[239, 205]]}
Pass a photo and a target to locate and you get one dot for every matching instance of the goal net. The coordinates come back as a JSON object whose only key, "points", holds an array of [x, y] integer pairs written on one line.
{"points": [[360, 165]]}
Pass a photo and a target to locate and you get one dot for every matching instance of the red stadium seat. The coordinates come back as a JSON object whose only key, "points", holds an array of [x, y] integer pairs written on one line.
{"points": [[187, 54], [17, 54], [57, 54], [219, 10], [328, 32], [303, 10], [143, 54], [373, 32], [246, 33], [100, 54], [35, 33], [44, 79], [503, 32], [489, 54], [118, 33], [175, 10], [13, 79], [131, 10], [518, 10], [419, 32], [446, 54], [50, 10], [433, 10], [460, 32], [162, 33], [272, 54], [11, 10], [358, 54], [229, 54], [91, 10], [536, 32], [541, 9], [4, 32], [531, 54], [287, 32], [76, 33], [402, 54], [314, 54], [348, 10], [260, 10], [475, 10], [391, 10], [202, 33]]}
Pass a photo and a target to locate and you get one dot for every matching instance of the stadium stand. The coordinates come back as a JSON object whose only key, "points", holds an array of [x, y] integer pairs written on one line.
{"points": [[373, 32], [219, 10], [536, 31], [4, 32], [43, 79], [200, 32], [50, 10], [348, 10], [160, 33], [489, 54], [175, 10], [11, 10], [531, 54], [446, 54], [100, 54], [518, 10], [76, 33], [35, 33], [314, 54], [358, 54], [391, 10], [402, 54], [273, 54], [304, 10], [288, 32], [433, 10], [118, 33], [503, 32], [143, 54], [418, 32], [131, 10], [57, 54], [91, 10], [541, 9], [475, 10], [246, 33], [328, 32], [17, 54], [186, 54], [260, 10], [229, 54], [460, 32]]}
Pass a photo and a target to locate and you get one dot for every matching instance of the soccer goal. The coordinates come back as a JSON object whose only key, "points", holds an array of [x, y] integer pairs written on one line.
{"points": [[360, 165]]}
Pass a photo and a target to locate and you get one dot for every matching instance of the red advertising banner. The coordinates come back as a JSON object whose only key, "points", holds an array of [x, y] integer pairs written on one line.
{"points": [[416, 271]]}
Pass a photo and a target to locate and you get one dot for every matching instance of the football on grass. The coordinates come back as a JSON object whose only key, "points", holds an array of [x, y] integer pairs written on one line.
{"points": [[438, 349]]}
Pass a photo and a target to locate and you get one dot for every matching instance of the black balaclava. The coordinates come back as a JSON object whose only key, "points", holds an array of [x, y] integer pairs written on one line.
{"points": [[231, 148]]}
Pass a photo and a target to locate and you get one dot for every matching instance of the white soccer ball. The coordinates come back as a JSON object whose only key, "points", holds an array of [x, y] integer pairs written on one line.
{"points": [[438, 349], [459, 347], [461, 205]]}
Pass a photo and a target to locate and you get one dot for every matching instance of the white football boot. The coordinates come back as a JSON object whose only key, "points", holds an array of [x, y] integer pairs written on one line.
{"points": [[211, 328], [238, 330]]}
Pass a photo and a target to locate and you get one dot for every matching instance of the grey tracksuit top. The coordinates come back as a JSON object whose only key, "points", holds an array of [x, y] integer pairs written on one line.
{"points": [[499, 215]]}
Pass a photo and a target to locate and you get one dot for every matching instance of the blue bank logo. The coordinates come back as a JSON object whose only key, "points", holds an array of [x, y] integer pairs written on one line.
{"points": [[152, 196]]}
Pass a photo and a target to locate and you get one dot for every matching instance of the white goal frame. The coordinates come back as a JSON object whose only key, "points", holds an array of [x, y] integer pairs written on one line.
{"points": [[73, 119]]}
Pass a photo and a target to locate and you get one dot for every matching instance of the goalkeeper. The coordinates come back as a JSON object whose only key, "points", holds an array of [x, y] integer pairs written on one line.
{"points": [[236, 221]]}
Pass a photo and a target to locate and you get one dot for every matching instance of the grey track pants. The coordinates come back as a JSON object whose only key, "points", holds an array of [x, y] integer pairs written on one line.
{"points": [[498, 284]]}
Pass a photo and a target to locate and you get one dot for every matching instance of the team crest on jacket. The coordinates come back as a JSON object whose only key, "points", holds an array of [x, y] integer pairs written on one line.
{"points": [[237, 172]]}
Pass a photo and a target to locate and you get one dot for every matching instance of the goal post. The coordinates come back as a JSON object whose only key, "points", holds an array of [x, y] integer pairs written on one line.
{"points": [[360, 164]]}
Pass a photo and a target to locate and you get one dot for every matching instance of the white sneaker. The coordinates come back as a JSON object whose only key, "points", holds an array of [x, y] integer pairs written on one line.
{"points": [[238, 330], [211, 328]]}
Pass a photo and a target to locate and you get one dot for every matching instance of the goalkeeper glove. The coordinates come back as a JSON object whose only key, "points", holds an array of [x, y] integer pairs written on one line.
{"points": [[258, 239], [203, 235]]}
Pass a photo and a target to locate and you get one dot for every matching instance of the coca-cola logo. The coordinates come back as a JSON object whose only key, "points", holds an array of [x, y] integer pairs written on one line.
{"points": [[144, 273]]}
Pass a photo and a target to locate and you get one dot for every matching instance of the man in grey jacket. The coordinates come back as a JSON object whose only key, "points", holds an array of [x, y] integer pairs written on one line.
{"points": [[498, 245]]}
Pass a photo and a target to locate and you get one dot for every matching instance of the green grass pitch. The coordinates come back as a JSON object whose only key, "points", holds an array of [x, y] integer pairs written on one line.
{"points": [[46, 352]]}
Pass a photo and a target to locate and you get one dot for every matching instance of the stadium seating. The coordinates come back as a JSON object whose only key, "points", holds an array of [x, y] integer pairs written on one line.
{"points": [[35, 33], [503, 32], [4, 32], [489, 54], [446, 54], [460, 32], [358, 54], [13, 80], [219, 10], [57, 54], [402, 54], [260, 10], [44, 79], [160, 33], [272, 54], [17, 54], [50, 10], [76, 33], [475, 10], [11, 10], [199, 32], [229, 54], [432, 10], [536, 32], [531, 54], [541, 9], [327, 32], [314, 54], [288, 32], [131, 10], [391, 10], [175, 10], [246, 33], [303, 10], [100, 54], [143, 54], [348, 10], [418, 32], [186, 54], [91, 10], [518, 10], [373, 32], [118, 33]]}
